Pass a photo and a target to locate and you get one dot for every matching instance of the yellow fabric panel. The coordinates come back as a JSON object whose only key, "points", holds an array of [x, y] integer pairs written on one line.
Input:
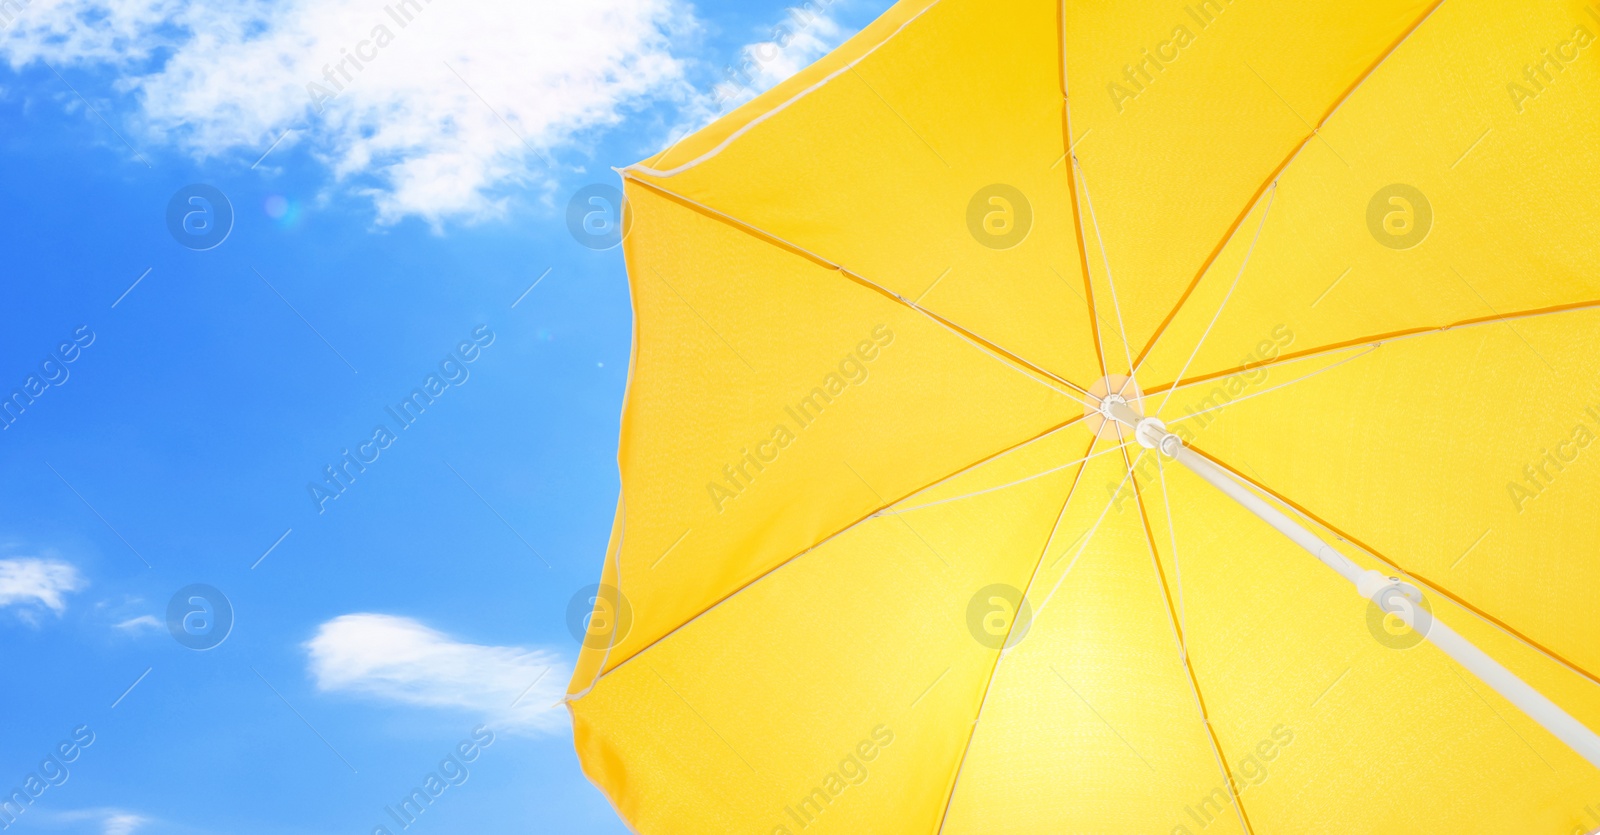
{"points": [[878, 170], [1171, 167], [860, 402], [731, 722], [1385, 740], [1091, 724], [1433, 434], [1510, 182]]}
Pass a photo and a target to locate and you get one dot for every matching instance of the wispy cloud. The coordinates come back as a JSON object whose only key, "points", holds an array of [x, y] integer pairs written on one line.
{"points": [[427, 107], [104, 821], [400, 660], [122, 823], [139, 623], [31, 582], [800, 38], [806, 32]]}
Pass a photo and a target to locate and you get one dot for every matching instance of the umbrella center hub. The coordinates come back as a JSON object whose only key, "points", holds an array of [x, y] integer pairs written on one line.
{"points": [[1115, 409], [1109, 404], [1106, 398]]}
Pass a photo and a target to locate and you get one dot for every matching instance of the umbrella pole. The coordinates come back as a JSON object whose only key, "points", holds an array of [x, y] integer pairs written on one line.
{"points": [[1390, 594]]}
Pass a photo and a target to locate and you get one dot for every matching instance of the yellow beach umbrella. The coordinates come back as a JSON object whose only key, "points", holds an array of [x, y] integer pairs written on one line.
{"points": [[1118, 418]]}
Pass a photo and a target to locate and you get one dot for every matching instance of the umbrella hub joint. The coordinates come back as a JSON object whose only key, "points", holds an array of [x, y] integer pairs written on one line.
{"points": [[1151, 433], [1111, 404]]}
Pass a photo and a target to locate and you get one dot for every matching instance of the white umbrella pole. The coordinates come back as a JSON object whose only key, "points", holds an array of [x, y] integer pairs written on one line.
{"points": [[1392, 595]]}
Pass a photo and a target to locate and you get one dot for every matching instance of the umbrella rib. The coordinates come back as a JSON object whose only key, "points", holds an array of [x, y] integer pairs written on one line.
{"points": [[1072, 186], [1072, 193], [1421, 580], [1383, 338], [1024, 480], [1230, 375], [1016, 363], [1183, 649], [1116, 304], [875, 512], [1038, 613], [1272, 194], [994, 668], [1074, 391], [1220, 406], [1227, 237], [1177, 567], [1276, 172]]}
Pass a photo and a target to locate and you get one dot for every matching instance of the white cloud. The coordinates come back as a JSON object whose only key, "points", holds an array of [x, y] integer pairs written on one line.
{"points": [[439, 110], [57, 31], [29, 582], [138, 623], [462, 99], [401, 660], [806, 32], [797, 42]]}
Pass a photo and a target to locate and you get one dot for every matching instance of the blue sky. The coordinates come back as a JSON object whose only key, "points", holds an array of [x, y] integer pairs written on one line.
{"points": [[184, 399]]}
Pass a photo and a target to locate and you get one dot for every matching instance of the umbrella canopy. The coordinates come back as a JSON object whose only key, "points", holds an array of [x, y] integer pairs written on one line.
{"points": [[888, 556]]}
